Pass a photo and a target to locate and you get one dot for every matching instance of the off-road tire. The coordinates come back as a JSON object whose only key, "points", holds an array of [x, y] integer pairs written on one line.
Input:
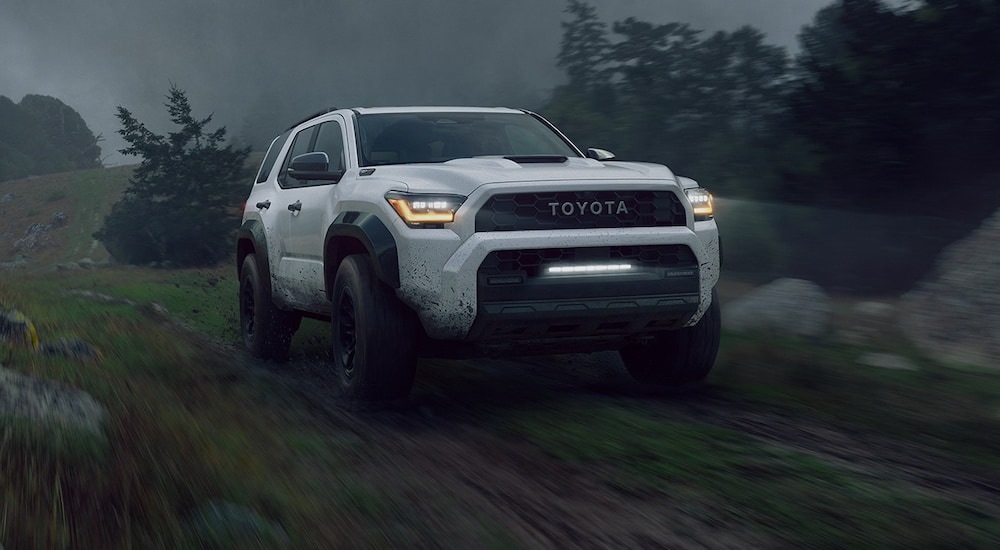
{"points": [[677, 357], [374, 336], [267, 331]]}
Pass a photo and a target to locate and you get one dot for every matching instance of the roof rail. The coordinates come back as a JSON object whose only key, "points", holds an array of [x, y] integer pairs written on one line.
{"points": [[312, 116]]}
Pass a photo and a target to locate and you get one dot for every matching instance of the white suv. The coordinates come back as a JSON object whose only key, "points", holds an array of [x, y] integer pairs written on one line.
{"points": [[431, 231]]}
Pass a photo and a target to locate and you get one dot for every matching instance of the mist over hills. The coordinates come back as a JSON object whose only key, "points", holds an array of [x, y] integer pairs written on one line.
{"points": [[257, 65]]}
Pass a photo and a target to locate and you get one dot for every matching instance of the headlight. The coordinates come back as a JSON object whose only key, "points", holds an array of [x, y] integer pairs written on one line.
{"points": [[425, 210], [701, 203]]}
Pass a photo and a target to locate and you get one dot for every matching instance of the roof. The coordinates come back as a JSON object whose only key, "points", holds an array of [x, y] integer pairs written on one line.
{"points": [[431, 109]]}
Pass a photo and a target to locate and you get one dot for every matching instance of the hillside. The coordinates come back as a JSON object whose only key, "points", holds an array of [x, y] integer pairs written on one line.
{"points": [[84, 196]]}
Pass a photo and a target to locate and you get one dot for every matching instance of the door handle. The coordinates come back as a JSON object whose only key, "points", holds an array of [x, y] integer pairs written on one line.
{"points": [[263, 204], [295, 206]]}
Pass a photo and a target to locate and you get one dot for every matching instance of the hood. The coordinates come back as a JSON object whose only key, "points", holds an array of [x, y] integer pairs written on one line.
{"points": [[465, 175]]}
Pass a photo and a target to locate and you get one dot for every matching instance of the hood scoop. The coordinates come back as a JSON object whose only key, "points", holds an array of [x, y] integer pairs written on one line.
{"points": [[537, 159]]}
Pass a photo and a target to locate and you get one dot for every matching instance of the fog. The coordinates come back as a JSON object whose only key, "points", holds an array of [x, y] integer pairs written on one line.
{"points": [[260, 65]]}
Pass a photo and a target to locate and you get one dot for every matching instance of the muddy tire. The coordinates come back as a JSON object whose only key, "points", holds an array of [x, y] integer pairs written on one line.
{"points": [[677, 357], [267, 331], [374, 336]]}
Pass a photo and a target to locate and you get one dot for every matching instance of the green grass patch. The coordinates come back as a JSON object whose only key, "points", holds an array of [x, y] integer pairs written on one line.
{"points": [[955, 410], [186, 425], [56, 195], [204, 299], [94, 191]]}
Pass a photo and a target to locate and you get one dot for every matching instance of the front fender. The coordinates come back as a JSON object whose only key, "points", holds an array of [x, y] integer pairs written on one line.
{"points": [[351, 229]]}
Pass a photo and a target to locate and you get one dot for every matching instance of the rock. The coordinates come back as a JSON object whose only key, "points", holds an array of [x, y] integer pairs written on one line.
{"points": [[58, 219], [49, 403], [87, 263], [856, 336], [954, 315], [99, 296], [789, 307], [35, 238], [17, 329], [71, 347], [870, 323], [877, 310], [68, 266], [21, 260], [886, 361], [8, 197], [221, 524]]}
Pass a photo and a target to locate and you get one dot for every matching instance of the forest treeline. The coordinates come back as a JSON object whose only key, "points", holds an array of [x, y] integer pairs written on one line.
{"points": [[43, 135], [884, 108]]}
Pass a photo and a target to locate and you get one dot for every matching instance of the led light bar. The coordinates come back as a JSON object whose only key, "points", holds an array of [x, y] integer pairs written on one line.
{"points": [[595, 269]]}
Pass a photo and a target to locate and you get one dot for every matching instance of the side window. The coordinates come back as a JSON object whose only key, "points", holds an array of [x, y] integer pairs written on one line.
{"points": [[272, 156], [303, 140], [331, 141]]}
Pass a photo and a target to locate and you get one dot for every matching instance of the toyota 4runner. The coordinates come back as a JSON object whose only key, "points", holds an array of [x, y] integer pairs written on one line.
{"points": [[430, 231]]}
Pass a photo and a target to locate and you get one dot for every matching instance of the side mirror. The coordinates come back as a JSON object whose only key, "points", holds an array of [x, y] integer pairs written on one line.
{"points": [[313, 166], [600, 154]]}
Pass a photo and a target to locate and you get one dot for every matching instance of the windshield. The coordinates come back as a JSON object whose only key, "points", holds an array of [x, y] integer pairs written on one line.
{"points": [[398, 138]]}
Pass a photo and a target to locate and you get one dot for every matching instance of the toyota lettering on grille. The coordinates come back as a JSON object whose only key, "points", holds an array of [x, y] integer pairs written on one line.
{"points": [[597, 208]]}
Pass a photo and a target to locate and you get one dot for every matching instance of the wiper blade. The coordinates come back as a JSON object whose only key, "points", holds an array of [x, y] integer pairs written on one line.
{"points": [[537, 159]]}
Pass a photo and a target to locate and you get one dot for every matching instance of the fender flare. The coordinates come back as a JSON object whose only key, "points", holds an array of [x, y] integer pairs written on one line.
{"points": [[252, 231], [373, 235]]}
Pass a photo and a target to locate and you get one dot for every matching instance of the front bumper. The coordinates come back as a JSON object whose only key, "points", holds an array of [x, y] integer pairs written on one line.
{"points": [[443, 284]]}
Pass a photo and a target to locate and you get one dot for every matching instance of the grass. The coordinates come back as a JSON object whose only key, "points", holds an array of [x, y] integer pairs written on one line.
{"points": [[85, 196], [955, 410], [796, 498], [92, 192], [188, 425], [185, 426], [56, 195]]}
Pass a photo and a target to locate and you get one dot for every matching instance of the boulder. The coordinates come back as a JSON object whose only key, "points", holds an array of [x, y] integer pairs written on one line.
{"points": [[788, 307], [954, 315], [70, 347], [870, 324], [58, 219], [48, 403], [19, 261], [17, 329], [36, 237], [886, 361]]}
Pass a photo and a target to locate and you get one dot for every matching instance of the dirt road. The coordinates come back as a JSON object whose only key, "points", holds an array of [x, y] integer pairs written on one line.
{"points": [[452, 470]]}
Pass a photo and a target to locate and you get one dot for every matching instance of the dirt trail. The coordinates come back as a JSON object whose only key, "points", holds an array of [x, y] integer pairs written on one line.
{"points": [[455, 473]]}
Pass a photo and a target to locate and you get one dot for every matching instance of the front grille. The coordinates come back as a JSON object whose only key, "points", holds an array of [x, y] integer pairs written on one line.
{"points": [[580, 210], [530, 261]]}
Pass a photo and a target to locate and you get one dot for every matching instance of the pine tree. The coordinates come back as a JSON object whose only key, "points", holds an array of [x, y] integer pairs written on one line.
{"points": [[178, 209]]}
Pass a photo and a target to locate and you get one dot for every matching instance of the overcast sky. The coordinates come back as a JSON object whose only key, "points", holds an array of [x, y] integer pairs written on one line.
{"points": [[267, 63]]}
